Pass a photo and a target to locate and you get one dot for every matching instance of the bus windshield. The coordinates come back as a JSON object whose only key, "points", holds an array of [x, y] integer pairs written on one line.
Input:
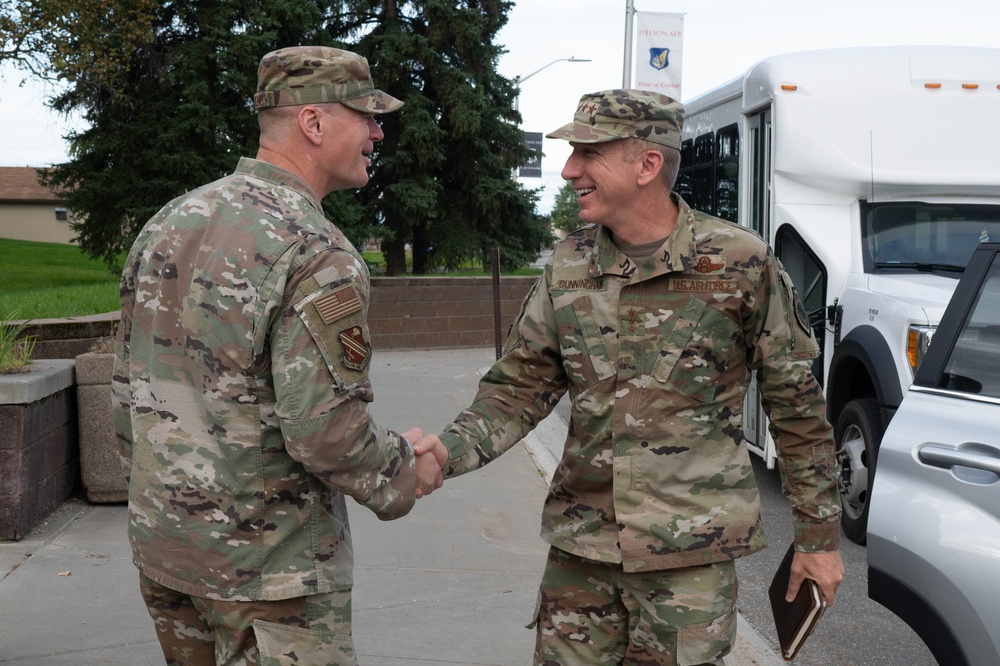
{"points": [[922, 237]]}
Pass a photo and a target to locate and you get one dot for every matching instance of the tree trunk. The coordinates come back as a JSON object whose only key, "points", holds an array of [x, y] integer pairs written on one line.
{"points": [[395, 257], [420, 248]]}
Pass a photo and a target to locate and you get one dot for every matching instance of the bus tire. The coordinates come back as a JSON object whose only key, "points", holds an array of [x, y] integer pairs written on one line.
{"points": [[858, 434]]}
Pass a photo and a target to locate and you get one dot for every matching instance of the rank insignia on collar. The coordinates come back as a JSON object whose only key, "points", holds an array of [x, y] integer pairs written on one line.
{"points": [[356, 350], [706, 265]]}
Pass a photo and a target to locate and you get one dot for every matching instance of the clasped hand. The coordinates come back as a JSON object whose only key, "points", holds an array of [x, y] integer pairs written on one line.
{"points": [[431, 458]]}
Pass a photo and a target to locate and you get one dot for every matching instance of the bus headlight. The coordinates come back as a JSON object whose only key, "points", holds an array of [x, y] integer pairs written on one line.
{"points": [[918, 339]]}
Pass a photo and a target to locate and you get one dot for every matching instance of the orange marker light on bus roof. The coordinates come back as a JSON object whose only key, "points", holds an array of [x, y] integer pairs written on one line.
{"points": [[932, 85], [970, 86], [789, 86]]}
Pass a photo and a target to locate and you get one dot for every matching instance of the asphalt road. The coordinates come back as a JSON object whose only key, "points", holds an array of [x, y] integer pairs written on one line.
{"points": [[856, 630]]}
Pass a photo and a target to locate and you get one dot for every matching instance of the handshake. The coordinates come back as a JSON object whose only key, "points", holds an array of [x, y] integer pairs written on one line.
{"points": [[431, 458]]}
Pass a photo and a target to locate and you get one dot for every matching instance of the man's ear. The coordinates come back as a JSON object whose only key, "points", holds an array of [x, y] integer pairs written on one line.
{"points": [[650, 165], [310, 123]]}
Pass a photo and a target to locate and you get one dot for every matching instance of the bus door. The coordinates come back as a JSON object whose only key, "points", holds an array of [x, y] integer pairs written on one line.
{"points": [[758, 184]]}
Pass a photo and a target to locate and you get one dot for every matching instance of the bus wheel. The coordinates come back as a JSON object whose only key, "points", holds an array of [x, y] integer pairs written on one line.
{"points": [[859, 433]]}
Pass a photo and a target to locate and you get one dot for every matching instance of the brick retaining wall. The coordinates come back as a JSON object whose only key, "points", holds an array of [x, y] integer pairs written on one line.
{"points": [[426, 313], [405, 313]]}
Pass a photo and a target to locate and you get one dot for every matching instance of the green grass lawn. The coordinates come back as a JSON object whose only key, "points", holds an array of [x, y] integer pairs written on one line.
{"points": [[48, 280]]}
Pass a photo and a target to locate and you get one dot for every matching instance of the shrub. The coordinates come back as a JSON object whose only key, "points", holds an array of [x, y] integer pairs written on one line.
{"points": [[15, 352]]}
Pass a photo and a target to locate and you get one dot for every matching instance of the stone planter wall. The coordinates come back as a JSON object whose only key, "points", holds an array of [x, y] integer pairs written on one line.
{"points": [[100, 467], [69, 337], [39, 455]]}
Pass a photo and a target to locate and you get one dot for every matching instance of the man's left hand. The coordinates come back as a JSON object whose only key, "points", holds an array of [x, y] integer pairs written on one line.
{"points": [[827, 569]]}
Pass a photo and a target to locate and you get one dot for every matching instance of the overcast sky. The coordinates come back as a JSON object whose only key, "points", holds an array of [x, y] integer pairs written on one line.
{"points": [[722, 38]]}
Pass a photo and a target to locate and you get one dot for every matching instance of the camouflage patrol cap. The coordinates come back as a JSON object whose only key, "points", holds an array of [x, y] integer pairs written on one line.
{"points": [[621, 114], [318, 75]]}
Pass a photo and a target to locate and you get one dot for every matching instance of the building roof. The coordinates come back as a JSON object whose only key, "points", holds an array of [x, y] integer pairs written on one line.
{"points": [[20, 185]]}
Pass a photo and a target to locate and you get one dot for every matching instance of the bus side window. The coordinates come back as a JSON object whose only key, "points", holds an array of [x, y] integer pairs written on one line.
{"points": [[727, 171], [810, 279], [683, 186], [703, 174]]}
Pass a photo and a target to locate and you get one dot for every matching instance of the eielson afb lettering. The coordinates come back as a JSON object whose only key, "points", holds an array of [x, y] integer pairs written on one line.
{"points": [[648, 32]]}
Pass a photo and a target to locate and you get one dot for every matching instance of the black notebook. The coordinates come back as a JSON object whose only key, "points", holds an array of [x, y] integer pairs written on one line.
{"points": [[794, 620]]}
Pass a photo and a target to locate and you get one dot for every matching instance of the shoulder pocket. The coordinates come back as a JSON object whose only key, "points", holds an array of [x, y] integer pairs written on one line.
{"points": [[802, 343], [335, 318]]}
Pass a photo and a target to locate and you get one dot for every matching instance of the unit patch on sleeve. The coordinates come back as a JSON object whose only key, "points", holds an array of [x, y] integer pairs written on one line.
{"points": [[355, 349]]}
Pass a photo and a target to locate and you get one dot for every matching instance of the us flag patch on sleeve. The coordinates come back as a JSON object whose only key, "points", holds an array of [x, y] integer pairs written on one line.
{"points": [[338, 304]]}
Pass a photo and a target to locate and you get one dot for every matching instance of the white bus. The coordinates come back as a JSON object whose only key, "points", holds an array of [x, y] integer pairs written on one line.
{"points": [[873, 173]]}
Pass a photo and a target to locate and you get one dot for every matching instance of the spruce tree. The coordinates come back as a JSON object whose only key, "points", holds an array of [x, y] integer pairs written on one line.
{"points": [[175, 112], [443, 178]]}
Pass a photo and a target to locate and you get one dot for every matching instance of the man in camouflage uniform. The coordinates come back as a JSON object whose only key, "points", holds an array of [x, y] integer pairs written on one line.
{"points": [[654, 317], [241, 386]]}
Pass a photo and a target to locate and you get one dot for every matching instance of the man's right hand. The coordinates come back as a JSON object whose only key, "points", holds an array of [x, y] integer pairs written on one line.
{"points": [[431, 458]]}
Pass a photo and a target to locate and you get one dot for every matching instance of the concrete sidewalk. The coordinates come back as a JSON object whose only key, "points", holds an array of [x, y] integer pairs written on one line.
{"points": [[453, 583]]}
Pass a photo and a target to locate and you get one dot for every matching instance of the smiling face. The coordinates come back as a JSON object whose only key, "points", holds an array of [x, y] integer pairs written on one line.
{"points": [[347, 141], [605, 183]]}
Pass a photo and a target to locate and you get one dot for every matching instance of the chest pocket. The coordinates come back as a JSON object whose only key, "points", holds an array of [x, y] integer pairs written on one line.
{"points": [[585, 355], [698, 352]]}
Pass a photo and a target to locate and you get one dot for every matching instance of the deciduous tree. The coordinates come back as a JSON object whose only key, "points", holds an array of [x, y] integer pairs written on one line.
{"points": [[566, 209], [177, 113]]}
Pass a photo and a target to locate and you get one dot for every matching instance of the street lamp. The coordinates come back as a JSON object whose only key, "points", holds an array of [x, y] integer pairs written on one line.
{"points": [[518, 80]]}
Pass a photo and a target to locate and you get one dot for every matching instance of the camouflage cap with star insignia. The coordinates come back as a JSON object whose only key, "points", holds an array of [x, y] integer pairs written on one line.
{"points": [[621, 114], [318, 75]]}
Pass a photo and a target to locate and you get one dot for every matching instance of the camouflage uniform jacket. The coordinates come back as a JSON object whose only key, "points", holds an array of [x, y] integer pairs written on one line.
{"points": [[241, 394], [657, 357]]}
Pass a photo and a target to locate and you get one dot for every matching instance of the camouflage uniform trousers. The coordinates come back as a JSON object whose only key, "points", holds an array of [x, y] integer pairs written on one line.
{"points": [[304, 631], [593, 613]]}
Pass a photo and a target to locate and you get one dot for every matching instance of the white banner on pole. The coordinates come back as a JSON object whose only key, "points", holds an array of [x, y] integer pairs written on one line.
{"points": [[659, 41]]}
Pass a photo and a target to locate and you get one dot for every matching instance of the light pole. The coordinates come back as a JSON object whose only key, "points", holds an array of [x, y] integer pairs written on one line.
{"points": [[518, 80]]}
